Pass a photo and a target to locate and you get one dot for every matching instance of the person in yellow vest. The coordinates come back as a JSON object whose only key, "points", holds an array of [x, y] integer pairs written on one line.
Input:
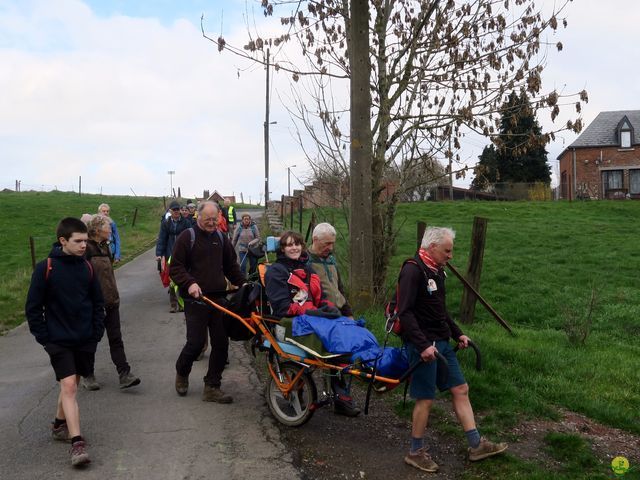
{"points": [[229, 212], [323, 263]]}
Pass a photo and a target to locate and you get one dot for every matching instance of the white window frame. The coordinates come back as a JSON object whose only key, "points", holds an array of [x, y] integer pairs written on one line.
{"points": [[625, 138]]}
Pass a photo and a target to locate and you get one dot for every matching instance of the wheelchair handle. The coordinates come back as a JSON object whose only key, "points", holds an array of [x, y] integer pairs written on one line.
{"points": [[477, 352]]}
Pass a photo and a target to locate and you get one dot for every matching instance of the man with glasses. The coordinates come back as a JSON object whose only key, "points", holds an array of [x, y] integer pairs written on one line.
{"points": [[170, 228]]}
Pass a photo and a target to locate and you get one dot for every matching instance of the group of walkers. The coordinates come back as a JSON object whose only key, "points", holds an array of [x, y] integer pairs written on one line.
{"points": [[178, 218], [73, 298]]}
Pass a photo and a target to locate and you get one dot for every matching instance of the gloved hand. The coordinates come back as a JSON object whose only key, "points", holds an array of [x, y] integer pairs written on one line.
{"points": [[325, 311]]}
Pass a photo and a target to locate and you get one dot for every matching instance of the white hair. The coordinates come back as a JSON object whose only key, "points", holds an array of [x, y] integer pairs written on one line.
{"points": [[202, 205], [324, 229], [105, 205], [436, 235]]}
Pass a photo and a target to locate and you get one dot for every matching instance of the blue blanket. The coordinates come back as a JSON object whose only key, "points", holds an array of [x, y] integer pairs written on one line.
{"points": [[344, 335]]}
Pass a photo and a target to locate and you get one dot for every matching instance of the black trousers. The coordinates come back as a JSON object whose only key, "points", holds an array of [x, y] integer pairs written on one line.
{"points": [[200, 320], [116, 345]]}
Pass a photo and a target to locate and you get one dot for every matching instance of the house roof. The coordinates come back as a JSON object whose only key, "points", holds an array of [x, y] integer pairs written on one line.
{"points": [[602, 131]]}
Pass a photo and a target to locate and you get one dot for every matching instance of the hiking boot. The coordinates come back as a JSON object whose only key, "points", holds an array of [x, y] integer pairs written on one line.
{"points": [[214, 394], [422, 461], [79, 455], [61, 433], [344, 405], [90, 383], [182, 385], [486, 449], [128, 379]]}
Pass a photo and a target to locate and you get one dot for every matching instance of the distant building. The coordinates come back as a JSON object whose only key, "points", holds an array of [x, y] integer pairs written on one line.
{"points": [[604, 161], [217, 197]]}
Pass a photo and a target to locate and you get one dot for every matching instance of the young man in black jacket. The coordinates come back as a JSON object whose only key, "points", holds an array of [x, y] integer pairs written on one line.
{"points": [[427, 328], [65, 312]]}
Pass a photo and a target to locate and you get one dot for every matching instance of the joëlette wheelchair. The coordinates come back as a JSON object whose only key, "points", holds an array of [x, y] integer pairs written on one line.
{"points": [[290, 391]]}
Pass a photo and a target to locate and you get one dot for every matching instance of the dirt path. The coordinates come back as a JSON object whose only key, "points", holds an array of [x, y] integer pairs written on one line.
{"points": [[372, 447]]}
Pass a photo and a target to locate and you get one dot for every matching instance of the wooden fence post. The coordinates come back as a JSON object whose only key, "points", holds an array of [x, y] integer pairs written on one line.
{"points": [[282, 217], [300, 214], [32, 246], [312, 225], [422, 226], [291, 213], [135, 214], [474, 269]]}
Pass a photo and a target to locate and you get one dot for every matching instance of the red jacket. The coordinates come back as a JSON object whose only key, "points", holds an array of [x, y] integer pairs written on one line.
{"points": [[293, 288]]}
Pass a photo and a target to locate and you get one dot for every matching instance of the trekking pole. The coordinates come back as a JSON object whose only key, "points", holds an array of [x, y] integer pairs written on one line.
{"points": [[417, 363]]}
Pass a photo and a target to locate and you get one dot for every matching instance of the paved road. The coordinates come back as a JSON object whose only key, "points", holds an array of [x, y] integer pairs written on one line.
{"points": [[146, 432]]}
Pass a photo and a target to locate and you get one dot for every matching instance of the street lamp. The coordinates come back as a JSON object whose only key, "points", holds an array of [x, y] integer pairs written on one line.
{"points": [[171, 173], [289, 179]]}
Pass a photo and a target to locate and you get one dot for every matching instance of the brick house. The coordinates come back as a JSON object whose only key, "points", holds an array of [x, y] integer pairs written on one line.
{"points": [[604, 161]]}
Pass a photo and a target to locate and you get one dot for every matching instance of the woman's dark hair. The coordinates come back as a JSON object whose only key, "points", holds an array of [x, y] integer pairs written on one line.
{"points": [[68, 226], [291, 237]]}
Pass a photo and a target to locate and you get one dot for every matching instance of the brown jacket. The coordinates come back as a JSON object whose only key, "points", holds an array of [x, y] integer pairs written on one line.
{"points": [[102, 262]]}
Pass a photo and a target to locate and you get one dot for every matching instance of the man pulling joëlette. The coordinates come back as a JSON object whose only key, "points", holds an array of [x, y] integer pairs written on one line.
{"points": [[202, 267]]}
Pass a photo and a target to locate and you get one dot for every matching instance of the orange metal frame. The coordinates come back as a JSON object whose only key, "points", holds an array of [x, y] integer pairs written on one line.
{"points": [[256, 323]]}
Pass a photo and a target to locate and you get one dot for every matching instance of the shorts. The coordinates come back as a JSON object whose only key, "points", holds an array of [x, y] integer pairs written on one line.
{"points": [[425, 378], [67, 361]]}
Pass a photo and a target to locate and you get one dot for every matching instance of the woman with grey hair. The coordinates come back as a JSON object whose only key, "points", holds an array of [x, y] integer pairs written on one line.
{"points": [[99, 254], [114, 239]]}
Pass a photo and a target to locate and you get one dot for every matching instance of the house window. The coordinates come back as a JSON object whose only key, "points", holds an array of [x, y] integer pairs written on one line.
{"points": [[611, 180], [625, 139], [634, 181]]}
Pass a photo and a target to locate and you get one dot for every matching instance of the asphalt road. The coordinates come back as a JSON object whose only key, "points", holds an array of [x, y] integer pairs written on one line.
{"points": [[148, 431]]}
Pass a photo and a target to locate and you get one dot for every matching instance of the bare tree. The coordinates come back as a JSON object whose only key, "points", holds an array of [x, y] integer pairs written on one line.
{"points": [[439, 69]]}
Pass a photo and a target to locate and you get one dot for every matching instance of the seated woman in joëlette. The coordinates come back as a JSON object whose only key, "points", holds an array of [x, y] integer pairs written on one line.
{"points": [[292, 287]]}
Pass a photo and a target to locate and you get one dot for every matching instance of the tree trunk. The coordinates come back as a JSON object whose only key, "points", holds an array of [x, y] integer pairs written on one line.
{"points": [[361, 277]]}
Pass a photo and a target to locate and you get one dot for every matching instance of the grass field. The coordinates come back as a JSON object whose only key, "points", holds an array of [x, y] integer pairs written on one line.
{"points": [[542, 262], [36, 214]]}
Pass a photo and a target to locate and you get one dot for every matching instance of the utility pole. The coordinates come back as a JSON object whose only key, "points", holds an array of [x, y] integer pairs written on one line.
{"points": [[266, 139], [171, 173], [289, 180]]}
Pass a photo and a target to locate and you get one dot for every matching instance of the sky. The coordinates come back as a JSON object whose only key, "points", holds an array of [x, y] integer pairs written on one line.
{"points": [[121, 92]]}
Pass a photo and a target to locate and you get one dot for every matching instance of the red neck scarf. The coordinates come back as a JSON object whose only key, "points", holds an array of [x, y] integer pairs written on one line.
{"points": [[427, 260]]}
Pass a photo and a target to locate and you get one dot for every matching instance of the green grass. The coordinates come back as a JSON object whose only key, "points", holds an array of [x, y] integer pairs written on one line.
{"points": [[541, 261], [36, 215]]}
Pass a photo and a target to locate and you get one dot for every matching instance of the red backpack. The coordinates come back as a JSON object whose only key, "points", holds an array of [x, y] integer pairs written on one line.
{"points": [[50, 267], [391, 309], [222, 223]]}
